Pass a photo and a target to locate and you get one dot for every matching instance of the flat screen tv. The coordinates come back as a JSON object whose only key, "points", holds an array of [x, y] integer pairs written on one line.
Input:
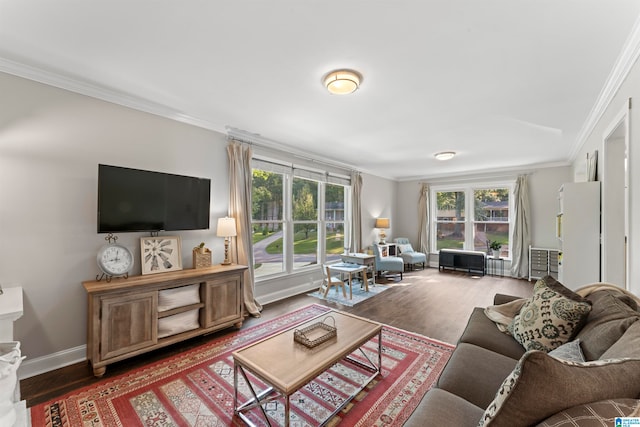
{"points": [[139, 200]]}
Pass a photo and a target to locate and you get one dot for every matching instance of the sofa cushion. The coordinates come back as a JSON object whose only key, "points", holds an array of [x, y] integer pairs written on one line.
{"points": [[475, 373], [607, 322], [627, 346], [440, 408], [481, 331], [596, 414], [541, 386], [551, 317], [570, 351]]}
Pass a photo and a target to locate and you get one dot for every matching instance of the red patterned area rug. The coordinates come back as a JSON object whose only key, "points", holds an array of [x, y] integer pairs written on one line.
{"points": [[196, 387]]}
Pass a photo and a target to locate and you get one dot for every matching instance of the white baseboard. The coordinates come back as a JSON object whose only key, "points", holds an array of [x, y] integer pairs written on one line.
{"points": [[286, 293], [32, 367]]}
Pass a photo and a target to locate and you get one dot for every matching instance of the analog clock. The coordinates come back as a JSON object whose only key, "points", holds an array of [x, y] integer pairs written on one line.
{"points": [[115, 260]]}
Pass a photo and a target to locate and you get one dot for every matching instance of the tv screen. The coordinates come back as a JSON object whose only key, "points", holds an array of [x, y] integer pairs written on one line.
{"points": [[138, 200]]}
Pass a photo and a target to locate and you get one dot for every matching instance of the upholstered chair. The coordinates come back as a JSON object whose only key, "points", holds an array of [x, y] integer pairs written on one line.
{"points": [[408, 255], [389, 264]]}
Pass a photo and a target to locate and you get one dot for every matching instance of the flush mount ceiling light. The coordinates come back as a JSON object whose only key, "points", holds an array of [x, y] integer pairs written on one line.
{"points": [[342, 82], [445, 155]]}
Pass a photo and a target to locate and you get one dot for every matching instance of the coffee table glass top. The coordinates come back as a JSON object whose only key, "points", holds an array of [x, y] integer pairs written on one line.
{"points": [[288, 365]]}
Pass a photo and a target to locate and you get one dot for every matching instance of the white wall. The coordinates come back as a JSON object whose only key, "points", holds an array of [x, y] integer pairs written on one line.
{"points": [[51, 142], [629, 89]]}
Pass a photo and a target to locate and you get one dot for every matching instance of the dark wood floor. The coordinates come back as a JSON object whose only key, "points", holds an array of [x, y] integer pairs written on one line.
{"points": [[428, 302]]}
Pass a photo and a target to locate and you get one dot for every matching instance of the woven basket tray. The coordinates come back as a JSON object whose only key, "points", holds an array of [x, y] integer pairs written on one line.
{"points": [[316, 333]]}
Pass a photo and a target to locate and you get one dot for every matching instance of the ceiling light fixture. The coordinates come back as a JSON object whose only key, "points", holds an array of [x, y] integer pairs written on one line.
{"points": [[445, 155], [342, 82]]}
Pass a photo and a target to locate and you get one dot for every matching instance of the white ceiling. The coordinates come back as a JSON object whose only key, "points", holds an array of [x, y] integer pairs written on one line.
{"points": [[505, 83]]}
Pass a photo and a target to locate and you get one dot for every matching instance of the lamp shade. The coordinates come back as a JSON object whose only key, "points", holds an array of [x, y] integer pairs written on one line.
{"points": [[226, 227], [382, 223]]}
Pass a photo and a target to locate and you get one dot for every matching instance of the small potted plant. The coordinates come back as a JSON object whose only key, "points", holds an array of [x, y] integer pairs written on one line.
{"points": [[200, 248], [495, 246]]}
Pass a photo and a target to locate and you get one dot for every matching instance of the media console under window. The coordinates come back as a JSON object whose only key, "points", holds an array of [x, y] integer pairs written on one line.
{"points": [[127, 317], [455, 259]]}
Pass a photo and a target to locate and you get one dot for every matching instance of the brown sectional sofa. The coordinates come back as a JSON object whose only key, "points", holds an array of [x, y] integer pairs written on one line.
{"points": [[544, 387]]}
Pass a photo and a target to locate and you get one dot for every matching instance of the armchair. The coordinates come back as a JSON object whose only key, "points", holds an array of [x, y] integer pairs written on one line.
{"points": [[391, 264], [408, 255]]}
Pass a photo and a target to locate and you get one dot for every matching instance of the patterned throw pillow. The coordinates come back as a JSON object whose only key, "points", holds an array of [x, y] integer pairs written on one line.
{"points": [[594, 413], [550, 318], [541, 385]]}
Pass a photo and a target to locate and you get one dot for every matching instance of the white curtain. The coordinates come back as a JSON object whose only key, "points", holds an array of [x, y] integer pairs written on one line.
{"points": [[240, 177], [424, 220], [521, 232], [356, 220]]}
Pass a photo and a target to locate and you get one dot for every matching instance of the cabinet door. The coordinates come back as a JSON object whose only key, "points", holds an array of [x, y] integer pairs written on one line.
{"points": [[129, 322], [223, 300]]}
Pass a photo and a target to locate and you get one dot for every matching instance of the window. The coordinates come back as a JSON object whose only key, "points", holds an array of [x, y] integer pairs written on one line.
{"points": [[490, 219], [267, 202], [450, 223], [298, 218]]}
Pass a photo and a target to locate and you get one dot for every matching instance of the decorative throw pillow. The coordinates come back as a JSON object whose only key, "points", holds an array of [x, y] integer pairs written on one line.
{"points": [[550, 318], [570, 351], [405, 248], [540, 386], [599, 413]]}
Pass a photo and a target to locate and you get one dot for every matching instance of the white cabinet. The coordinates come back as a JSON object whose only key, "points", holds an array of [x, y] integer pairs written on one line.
{"points": [[578, 231]]}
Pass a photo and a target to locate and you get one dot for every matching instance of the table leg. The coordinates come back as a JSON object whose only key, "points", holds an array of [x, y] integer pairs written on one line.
{"points": [[235, 388], [287, 410], [380, 351], [350, 287], [366, 280]]}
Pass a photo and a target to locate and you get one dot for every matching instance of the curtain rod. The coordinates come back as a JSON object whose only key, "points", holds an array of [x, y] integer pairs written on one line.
{"points": [[258, 141]]}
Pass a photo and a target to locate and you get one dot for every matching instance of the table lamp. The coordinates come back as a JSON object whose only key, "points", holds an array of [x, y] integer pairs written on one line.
{"points": [[382, 224], [226, 229]]}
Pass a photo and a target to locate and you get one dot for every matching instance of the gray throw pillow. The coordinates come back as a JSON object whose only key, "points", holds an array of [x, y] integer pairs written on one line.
{"points": [[570, 351]]}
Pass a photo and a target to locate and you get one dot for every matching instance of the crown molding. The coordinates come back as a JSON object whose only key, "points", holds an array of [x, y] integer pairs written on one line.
{"points": [[628, 56], [493, 173], [93, 90]]}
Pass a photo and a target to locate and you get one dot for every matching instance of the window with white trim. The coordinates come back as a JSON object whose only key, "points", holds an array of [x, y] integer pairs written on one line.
{"points": [[472, 216], [299, 218]]}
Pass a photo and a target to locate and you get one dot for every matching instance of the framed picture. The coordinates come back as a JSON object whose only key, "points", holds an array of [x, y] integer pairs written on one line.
{"points": [[384, 251], [160, 254]]}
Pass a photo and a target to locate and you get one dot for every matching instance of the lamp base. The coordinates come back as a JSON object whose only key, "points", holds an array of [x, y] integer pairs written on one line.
{"points": [[226, 261]]}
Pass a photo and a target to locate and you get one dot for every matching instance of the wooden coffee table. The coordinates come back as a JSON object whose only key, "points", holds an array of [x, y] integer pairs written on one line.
{"points": [[286, 365]]}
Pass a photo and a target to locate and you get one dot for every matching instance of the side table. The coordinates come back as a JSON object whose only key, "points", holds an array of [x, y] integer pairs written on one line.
{"points": [[495, 266]]}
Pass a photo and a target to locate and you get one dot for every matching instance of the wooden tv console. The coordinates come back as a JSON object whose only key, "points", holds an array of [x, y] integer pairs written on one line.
{"points": [[123, 314]]}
